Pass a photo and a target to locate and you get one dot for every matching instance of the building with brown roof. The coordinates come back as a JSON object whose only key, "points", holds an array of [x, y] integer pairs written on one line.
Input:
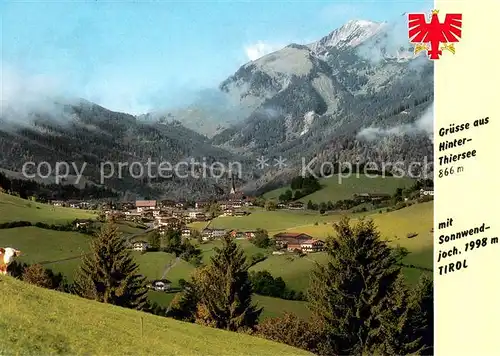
{"points": [[143, 205]]}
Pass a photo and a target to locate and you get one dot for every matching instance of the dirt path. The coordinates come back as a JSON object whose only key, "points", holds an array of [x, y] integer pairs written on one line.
{"points": [[63, 259], [169, 266]]}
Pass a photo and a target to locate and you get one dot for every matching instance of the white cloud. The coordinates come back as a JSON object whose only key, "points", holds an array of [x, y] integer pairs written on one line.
{"points": [[18, 89], [261, 48], [425, 124]]}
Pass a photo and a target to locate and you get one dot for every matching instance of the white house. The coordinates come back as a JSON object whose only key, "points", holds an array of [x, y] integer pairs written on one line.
{"points": [[312, 245], [428, 191], [162, 285], [140, 246]]}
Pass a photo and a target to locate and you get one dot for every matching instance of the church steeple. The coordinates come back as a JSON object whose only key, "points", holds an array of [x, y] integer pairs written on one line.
{"points": [[233, 188]]}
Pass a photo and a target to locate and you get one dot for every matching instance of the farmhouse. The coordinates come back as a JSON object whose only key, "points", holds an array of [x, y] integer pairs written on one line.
{"points": [[186, 232], [284, 239], [82, 223], [312, 246], [181, 205], [126, 206], [57, 203], [160, 285], [73, 204], [210, 234], [197, 215], [248, 201], [236, 234], [132, 215], [306, 246], [371, 196], [426, 192], [169, 222], [167, 203], [250, 234], [144, 205], [140, 246], [296, 205]]}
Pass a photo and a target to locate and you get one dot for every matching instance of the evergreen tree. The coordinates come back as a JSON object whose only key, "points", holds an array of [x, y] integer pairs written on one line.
{"points": [[225, 291], [155, 241], [109, 274], [422, 314], [351, 293], [196, 235], [184, 305], [408, 326]]}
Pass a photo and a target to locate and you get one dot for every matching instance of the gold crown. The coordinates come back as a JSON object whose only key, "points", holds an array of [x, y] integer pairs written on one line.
{"points": [[435, 12]]}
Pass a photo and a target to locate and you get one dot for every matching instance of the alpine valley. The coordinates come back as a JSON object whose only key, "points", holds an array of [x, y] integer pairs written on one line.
{"points": [[356, 95]]}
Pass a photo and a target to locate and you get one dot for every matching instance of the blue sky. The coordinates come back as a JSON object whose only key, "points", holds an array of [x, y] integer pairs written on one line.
{"points": [[137, 56]]}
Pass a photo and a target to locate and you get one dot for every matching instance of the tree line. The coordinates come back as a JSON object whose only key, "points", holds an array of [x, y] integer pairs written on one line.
{"points": [[29, 189]]}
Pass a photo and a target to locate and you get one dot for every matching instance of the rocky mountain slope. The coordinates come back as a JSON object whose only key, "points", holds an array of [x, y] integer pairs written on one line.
{"points": [[357, 95]]}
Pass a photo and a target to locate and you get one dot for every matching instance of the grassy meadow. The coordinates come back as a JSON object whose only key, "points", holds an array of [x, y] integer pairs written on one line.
{"points": [[61, 251], [339, 188], [14, 209], [39, 321], [274, 221]]}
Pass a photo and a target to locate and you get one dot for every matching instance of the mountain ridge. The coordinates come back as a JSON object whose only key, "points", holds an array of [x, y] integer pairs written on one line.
{"points": [[326, 100]]}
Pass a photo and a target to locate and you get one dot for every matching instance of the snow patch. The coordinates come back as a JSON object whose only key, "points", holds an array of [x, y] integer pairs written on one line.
{"points": [[308, 120], [352, 34]]}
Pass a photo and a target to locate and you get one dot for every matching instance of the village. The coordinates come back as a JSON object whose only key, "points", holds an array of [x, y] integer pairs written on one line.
{"points": [[165, 215]]}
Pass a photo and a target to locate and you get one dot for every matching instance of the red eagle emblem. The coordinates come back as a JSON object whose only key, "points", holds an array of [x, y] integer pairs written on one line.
{"points": [[428, 36]]}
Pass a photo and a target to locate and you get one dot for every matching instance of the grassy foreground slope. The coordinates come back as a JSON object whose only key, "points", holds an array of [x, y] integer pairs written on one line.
{"points": [[14, 209], [40, 321]]}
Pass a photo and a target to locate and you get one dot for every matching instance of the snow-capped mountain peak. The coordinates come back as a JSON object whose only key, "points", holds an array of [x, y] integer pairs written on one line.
{"points": [[353, 33]]}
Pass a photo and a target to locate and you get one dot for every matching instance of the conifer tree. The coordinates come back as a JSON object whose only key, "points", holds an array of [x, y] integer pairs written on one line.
{"points": [[155, 241], [225, 291], [184, 305], [351, 293], [408, 325], [109, 274], [422, 313]]}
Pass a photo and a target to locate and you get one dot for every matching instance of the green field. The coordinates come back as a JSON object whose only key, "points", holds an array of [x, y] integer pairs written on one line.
{"points": [[40, 321], [340, 188], [249, 249], [393, 226], [273, 307], [294, 270], [59, 251], [273, 221], [14, 209], [48, 247]]}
